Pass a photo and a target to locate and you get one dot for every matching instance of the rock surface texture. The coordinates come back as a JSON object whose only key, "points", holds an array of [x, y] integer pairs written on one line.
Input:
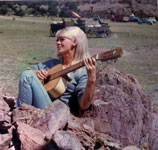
{"points": [[123, 105]]}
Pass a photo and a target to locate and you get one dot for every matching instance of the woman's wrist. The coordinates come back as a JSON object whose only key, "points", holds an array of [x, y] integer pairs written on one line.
{"points": [[91, 84], [91, 81]]}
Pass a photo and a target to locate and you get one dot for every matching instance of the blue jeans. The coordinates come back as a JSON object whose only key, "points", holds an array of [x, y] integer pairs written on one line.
{"points": [[31, 91]]}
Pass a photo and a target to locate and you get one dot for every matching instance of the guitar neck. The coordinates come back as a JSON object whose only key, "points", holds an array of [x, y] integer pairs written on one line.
{"points": [[109, 55], [67, 70]]}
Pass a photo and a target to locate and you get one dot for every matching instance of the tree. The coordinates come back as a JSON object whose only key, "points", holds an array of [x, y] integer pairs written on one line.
{"points": [[43, 9], [63, 14], [36, 12], [20, 12], [3, 10], [71, 5], [53, 11]]}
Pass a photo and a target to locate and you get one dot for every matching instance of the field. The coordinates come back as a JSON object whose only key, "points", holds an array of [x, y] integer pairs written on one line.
{"points": [[26, 41]]}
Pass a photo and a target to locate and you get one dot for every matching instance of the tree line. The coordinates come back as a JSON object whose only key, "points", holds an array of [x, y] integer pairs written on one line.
{"points": [[42, 8]]}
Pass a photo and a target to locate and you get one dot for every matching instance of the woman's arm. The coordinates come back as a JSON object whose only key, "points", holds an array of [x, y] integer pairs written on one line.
{"points": [[87, 96]]}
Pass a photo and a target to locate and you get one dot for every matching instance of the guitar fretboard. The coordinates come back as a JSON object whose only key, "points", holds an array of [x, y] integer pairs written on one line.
{"points": [[109, 55], [67, 70]]}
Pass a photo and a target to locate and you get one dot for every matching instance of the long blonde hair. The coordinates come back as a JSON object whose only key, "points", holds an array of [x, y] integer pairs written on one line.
{"points": [[75, 33]]}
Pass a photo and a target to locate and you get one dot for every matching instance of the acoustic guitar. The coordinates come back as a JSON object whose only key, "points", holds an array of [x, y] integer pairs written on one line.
{"points": [[57, 79]]}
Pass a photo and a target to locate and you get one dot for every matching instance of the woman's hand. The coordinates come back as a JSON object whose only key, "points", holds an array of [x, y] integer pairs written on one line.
{"points": [[91, 66], [41, 74]]}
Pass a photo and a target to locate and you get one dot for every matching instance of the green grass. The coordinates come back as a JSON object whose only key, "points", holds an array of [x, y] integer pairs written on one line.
{"points": [[23, 43]]}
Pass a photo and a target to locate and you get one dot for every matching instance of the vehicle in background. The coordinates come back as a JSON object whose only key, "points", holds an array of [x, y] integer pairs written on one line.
{"points": [[152, 19], [120, 18], [125, 19], [149, 21], [145, 20], [133, 18], [100, 30]]}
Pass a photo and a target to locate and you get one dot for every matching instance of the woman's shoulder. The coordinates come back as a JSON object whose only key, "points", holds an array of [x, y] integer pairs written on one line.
{"points": [[51, 63], [46, 65]]}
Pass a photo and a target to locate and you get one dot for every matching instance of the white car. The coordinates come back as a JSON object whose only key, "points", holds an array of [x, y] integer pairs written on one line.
{"points": [[152, 19]]}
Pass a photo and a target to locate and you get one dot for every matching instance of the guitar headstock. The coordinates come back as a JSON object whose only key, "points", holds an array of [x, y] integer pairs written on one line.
{"points": [[109, 55]]}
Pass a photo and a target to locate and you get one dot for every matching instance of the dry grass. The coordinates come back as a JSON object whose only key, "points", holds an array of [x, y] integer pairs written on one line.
{"points": [[25, 42]]}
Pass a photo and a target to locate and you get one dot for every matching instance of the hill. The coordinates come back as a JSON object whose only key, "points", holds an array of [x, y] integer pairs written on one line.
{"points": [[107, 7], [86, 8]]}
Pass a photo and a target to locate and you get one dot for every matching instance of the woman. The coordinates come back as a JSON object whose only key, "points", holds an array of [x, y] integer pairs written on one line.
{"points": [[72, 46]]}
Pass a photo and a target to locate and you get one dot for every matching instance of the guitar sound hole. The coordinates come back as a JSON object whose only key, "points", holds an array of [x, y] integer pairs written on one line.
{"points": [[47, 80]]}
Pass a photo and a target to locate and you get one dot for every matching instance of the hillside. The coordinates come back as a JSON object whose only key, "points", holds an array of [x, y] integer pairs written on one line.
{"points": [[86, 8], [108, 7]]}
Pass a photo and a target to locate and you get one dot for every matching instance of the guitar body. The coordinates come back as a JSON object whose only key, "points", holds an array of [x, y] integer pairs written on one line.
{"points": [[56, 87]]}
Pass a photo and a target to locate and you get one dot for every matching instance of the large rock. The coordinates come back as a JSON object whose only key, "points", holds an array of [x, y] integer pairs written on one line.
{"points": [[67, 140], [5, 114], [5, 141], [85, 136], [31, 138], [153, 135], [121, 102], [53, 117], [131, 148], [25, 113]]}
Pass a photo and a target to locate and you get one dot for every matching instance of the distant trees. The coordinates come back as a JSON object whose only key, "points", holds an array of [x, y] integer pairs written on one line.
{"points": [[41, 8], [71, 6], [65, 11], [52, 11], [20, 12], [64, 14], [3, 10]]}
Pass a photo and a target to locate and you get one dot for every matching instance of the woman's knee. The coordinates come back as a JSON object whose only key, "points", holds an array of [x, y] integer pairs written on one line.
{"points": [[26, 75]]}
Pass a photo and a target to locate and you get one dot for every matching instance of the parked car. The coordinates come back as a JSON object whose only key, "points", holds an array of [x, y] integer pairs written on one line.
{"points": [[120, 18], [134, 19], [152, 19], [145, 20]]}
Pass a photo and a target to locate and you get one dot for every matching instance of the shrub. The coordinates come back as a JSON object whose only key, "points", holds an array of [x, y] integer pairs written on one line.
{"points": [[3, 10]]}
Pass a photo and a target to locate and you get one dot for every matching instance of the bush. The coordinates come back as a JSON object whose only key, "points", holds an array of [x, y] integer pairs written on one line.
{"points": [[63, 14], [71, 6], [4, 10], [53, 11], [20, 13], [36, 12]]}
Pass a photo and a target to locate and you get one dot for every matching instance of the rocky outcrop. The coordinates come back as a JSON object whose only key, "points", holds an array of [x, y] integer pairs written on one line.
{"points": [[30, 138], [123, 105], [48, 120], [5, 115], [121, 116]]}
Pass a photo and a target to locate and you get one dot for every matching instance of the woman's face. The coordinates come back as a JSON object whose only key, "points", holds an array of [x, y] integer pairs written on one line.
{"points": [[64, 44]]}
